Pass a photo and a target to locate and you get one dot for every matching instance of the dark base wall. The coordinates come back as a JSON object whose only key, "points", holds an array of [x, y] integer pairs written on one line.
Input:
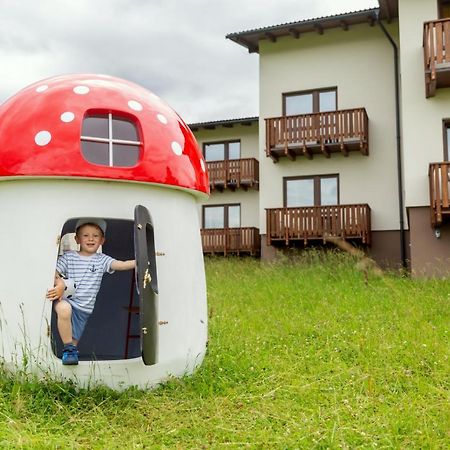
{"points": [[430, 256], [385, 249]]}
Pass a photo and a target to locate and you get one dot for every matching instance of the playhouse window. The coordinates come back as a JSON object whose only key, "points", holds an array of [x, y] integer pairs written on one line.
{"points": [[111, 141]]}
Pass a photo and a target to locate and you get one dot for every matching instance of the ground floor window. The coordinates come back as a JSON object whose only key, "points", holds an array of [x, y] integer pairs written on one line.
{"points": [[311, 191], [222, 216]]}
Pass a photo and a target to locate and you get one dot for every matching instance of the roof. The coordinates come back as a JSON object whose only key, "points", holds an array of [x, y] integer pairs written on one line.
{"points": [[250, 38], [227, 123], [41, 128]]}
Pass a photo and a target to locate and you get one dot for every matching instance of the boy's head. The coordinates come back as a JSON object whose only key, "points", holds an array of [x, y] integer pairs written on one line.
{"points": [[90, 235]]}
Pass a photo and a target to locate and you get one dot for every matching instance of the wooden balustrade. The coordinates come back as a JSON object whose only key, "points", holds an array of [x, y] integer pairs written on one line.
{"points": [[231, 240], [234, 173], [436, 42], [325, 133], [315, 222], [439, 178]]}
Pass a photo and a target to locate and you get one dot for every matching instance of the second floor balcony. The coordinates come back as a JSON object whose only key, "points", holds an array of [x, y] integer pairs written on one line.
{"points": [[436, 49], [313, 223], [226, 241], [318, 133], [233, 174], [439, 178]]}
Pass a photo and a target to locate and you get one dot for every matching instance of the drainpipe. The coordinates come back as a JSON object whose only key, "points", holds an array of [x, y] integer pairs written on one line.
{"points": [[398, 136]]}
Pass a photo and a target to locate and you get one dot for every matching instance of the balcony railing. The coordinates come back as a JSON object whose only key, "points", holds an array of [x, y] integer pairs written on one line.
{"points": [[439, 177], [436, 50], [318, 133], [234, 173], [231, 240], [290, 225]]}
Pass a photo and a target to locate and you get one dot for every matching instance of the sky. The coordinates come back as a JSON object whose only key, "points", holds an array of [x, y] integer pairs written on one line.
{"points": [[175, 48]]}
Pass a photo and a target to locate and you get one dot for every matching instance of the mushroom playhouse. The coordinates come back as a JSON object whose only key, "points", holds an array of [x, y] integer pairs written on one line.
{"points": [[92, 146]]}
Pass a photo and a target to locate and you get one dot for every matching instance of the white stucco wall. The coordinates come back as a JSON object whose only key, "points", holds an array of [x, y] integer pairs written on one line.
{"points": [[360, 63], [421, 116]]}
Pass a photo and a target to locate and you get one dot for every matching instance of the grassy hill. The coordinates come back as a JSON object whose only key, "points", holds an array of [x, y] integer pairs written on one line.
{"points": [[302, 354]]}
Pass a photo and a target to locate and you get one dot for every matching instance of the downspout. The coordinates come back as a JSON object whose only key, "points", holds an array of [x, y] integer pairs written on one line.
{"points": [[398, 137]]}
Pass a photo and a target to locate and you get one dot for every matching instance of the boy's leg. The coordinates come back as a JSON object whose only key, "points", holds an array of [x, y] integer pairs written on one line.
{"points": [[63, 310]]}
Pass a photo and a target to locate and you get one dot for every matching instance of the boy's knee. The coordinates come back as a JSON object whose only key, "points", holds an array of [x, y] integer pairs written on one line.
{"points": [[63, 309]]}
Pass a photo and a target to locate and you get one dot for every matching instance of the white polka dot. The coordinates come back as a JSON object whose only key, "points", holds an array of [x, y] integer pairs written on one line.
{"points": [[202, 165], [81, 90], [134, 105], [67, 116], [42, 88], [176, 148], [162, 118], [42, 138]]}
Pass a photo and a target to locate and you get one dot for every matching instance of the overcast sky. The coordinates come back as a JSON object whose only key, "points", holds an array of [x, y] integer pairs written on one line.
{"points": [[175, 48]]}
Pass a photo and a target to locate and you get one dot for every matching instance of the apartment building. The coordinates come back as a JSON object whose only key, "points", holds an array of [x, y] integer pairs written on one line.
{"points": [[351, 139]]}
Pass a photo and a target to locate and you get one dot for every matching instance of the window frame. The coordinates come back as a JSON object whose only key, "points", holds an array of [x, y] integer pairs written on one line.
{"points": [[316, 97], [443, 5], [226, 149], [317, 190], [110, 140], [225, 207], [445, 127]]}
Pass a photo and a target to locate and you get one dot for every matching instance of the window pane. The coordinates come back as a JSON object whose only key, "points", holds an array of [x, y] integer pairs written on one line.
{"points": [[95, 152], [124, 129], [299, 104], [300, 192], [328, 191], [234, 150], [214, 217], [327, 101], [125, 155], [95, 127], [234, 216], [214, 152]]}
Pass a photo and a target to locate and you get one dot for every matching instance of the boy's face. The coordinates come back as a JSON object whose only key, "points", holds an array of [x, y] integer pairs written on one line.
{"points": [[89, 237]]}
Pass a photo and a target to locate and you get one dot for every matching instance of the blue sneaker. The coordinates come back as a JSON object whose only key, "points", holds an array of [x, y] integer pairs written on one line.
{"points": [[70, 355]]}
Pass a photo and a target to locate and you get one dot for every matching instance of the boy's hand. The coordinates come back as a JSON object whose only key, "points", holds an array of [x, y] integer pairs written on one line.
{"points": [[55, 293]]}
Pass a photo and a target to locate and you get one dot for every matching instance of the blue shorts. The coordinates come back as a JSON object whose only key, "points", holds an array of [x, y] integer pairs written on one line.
{"points": [[79, 320]]}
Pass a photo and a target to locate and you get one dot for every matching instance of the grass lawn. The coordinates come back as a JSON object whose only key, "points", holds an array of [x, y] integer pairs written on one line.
{"points": [[302, 354]]}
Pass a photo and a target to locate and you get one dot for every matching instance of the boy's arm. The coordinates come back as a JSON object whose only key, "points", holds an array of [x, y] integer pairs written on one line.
{"points": [[56, 292], [123, 265]]}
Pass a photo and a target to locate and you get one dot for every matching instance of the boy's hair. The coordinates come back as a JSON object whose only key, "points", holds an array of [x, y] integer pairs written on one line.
{"points": [[92, 224]]}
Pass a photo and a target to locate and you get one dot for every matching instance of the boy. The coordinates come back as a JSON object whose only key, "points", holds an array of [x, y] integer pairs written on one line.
{"points": [[86, 268]]}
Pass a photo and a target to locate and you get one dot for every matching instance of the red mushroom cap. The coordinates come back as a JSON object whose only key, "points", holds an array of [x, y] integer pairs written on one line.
{"points": [[40, 131]]}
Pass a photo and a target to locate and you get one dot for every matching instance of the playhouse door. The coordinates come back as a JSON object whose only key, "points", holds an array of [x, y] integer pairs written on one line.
{"points": [[146, 282]]}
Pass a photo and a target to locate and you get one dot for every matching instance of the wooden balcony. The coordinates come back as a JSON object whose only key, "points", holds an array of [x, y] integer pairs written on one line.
{"points": [[439, 177], [436, 42], [233, 174], [231, 240], [290, 225], [320, 133]]}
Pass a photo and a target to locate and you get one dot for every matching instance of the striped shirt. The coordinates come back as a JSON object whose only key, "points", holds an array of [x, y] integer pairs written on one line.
{"points": [[87, 272]]}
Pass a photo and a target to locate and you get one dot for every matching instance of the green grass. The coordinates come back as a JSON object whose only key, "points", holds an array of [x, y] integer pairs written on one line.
{"points": [[302, 354]]}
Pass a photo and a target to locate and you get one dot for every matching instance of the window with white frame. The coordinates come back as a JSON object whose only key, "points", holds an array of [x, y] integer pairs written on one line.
{"points": [[108, 140]]}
